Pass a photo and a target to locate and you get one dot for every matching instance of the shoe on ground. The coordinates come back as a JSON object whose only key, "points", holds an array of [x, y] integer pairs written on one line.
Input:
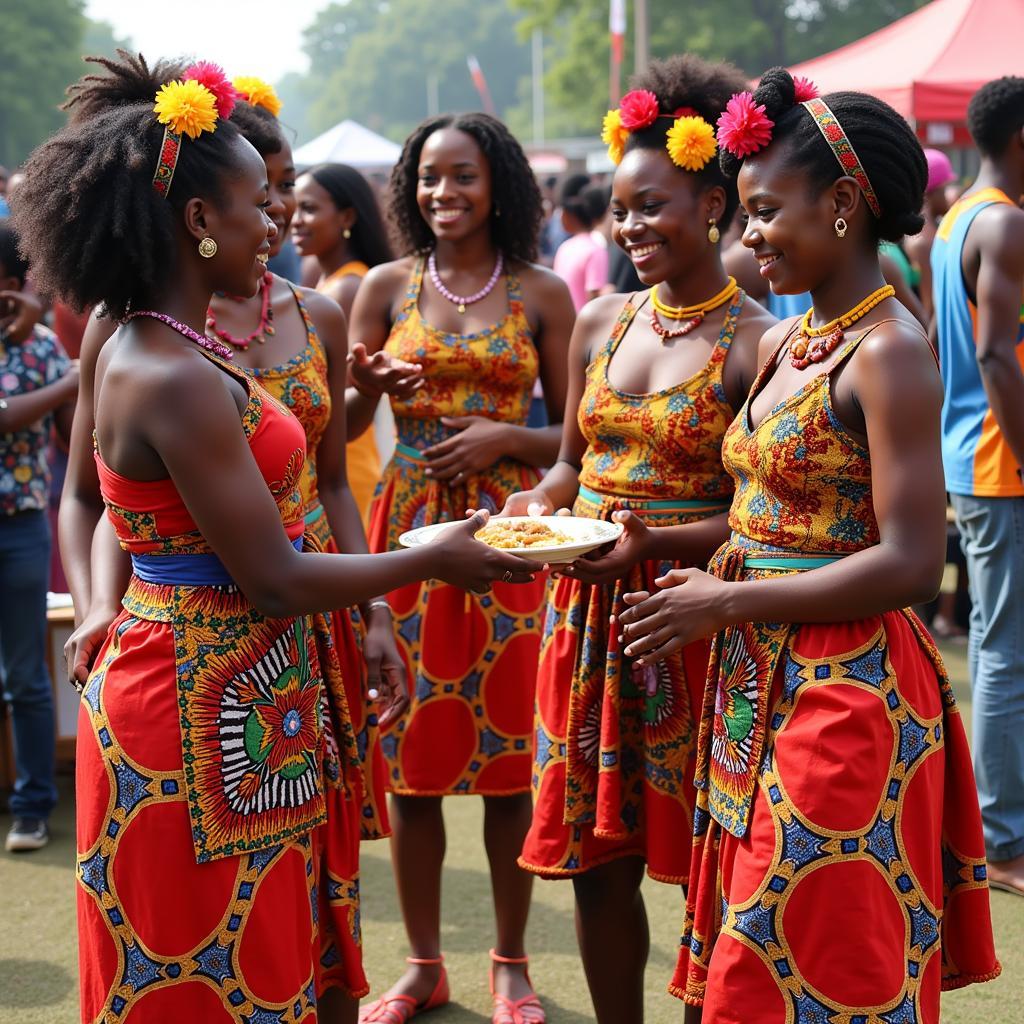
{"points": [[1007, 875], [27, 834]]}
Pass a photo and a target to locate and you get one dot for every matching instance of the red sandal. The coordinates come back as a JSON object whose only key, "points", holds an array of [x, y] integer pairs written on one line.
{"points": [[399, 1009], [527, 1010]]}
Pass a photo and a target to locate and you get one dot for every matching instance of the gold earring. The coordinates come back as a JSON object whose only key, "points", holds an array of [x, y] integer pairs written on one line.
{"points": [[347, 233], [207, 248], [713, 233], [841, 227]]}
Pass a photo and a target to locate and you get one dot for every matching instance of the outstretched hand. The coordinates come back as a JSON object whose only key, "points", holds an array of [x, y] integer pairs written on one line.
{"points": [[382, 374], [465, 562], [688, 605], [612, 562]]}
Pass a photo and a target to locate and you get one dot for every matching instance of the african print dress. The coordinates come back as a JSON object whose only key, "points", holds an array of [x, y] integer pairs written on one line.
{"points": [[838, 868], [199, 767], [472, 658], [359, 808], [613, 744]]}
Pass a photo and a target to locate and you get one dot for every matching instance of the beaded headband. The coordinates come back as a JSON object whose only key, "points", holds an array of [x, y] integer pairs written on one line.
{"points": [[690, 141], [189, 106], [832, 132]]}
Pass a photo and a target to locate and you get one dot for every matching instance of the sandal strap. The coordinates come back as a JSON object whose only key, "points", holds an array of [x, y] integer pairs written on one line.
{"points": [[382, 1011], [527, 1010], [425, 961], [499, 959]]}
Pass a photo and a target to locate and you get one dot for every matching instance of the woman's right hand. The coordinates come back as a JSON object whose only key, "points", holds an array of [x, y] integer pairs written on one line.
{"points": [[381, 374], [463, 561], [83, 645], [528, 503]]}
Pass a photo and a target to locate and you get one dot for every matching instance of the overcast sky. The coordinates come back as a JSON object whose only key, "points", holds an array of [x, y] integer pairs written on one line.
{"points": [[248, 37]]}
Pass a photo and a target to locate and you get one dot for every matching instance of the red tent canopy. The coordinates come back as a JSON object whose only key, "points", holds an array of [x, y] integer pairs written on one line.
{"points": [[929, 64]]}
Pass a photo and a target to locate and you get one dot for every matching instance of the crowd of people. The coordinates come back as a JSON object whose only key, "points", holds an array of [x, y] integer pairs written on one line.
{"points": [[767, 348]]}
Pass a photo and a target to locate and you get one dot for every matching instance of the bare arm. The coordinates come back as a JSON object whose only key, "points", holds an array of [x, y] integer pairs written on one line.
{"points": [[998, 290], [81, 504], [20, 411]]}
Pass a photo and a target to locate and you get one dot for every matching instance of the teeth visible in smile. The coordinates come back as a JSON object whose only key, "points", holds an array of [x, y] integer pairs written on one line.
{"points": [[767, 261], [639, 251], [263, 257], [447, 214]]}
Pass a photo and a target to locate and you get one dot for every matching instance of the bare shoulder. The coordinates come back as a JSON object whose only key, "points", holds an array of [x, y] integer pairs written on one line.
{"points": [[1001, 230], [387, 277], [541, 283], [773, 337], [897, 356], [321, 306], [602, 311]]}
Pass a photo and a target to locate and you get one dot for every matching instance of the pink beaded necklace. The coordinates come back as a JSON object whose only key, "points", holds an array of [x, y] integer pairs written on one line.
{"points": [[462, 301], [200, 339]]}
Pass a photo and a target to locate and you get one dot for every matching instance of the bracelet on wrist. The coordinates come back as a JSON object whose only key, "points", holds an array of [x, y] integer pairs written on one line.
{"points": [[379, 603]]}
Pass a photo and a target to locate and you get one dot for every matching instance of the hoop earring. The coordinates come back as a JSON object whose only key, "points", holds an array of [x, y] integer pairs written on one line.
{"points": [[208, 248], [841, 227], [347, 233], [714, 235]]}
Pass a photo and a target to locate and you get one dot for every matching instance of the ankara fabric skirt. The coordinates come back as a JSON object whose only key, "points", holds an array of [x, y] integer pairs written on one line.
{"points": [[471, 659], [858, 891]]}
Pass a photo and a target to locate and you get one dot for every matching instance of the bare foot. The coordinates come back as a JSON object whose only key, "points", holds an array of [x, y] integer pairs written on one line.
{"points": [[510, 981], [1007, 875]]}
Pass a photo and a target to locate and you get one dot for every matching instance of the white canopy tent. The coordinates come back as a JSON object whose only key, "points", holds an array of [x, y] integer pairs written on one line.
{"points": [[349, 143]]}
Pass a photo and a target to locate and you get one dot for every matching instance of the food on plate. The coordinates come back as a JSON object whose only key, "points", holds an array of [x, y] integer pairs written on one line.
{"points": [[521, 533]]}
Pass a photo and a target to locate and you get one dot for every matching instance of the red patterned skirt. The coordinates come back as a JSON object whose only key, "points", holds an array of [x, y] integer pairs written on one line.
{"points": [[857, 890], [471, 659], [613, 746], [198, 786]]}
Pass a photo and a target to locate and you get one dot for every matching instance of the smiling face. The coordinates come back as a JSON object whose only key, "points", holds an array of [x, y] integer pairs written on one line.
{"points": [[241, 226], [660, 215], [790, 230], [318, 222], [453, 189], [281, 193]]}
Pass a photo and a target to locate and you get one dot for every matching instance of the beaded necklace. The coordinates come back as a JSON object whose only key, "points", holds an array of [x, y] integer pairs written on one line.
{"points": [[462, 301], [200, 339], [813, 344], [693, 315], [265, 328]]}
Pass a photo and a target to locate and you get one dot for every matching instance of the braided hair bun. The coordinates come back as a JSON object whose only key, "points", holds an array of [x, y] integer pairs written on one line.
{"points": [[887, 147]]}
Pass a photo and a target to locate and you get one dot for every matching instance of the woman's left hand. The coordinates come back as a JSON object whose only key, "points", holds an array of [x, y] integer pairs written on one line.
{"points": [[478, 444], [689, 604], [385, 670]]}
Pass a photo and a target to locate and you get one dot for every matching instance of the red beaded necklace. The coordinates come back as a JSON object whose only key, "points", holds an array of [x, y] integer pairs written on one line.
{"points": [[265, 328]]}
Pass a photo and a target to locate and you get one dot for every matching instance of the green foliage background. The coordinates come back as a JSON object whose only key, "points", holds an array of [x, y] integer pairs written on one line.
{"points": [[379, 60]]}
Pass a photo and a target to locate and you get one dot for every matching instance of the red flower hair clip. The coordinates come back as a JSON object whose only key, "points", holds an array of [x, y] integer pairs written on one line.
{"points": [[805, 89], [638, 109], [743, 127], [212, 76]]}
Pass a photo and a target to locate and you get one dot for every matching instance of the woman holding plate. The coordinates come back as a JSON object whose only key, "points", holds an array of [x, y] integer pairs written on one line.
{"points": [[657, 377]]}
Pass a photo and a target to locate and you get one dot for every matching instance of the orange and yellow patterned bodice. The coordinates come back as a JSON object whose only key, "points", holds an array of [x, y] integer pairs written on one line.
{"points": [[149, 516], [490, 373], [301, 386], [803, 482], [666, 445]]}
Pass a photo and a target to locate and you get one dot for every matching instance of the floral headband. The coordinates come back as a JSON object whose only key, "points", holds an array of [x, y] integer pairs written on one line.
{"points": [[189, 106], [745, 128], [258, 93], [690, 142]]}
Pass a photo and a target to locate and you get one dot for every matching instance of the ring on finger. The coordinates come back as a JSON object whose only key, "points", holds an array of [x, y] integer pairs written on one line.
{"points": [[507, 576]]}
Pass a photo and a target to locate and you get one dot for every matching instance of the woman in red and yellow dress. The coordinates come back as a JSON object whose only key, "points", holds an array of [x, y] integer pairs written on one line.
{"points": [[338, 221], [482, 321], [657, 378], [200, 759], [838, 868]]}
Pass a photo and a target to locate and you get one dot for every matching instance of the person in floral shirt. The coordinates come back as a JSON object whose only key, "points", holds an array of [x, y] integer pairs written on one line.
{"points": [[37, 382]]}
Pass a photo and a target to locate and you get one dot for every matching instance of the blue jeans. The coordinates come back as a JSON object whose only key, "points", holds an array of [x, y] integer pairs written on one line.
{"points": [[992, 538], [24, 576]]}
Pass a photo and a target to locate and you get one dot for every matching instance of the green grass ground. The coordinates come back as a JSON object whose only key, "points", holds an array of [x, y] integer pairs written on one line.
{"points": [[38, 959]]}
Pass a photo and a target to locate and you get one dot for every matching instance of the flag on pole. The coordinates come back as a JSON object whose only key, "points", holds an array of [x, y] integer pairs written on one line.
{"points": [[477, 74], [617, 32]]}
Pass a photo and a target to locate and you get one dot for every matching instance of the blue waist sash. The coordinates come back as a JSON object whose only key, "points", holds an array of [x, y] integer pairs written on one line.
{"points": [[198, 570]]}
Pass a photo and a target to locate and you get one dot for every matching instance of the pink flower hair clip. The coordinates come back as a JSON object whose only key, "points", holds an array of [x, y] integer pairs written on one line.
{"points": [[744, 127], [212, 76]]}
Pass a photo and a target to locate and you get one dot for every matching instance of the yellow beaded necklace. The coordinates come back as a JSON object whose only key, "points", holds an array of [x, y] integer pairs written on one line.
{"points": [[813, 344], [693, 315]]}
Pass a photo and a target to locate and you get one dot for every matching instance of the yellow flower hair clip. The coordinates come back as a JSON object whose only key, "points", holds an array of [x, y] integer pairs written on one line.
{"points": [[187, 108], [614, 136], [259, 93], [691, 142]]}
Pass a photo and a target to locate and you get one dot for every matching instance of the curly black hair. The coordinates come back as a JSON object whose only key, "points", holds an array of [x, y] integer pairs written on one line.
{"points": [[888, 149], [683, 81], [128, 79], [91, 224], [995, 113], [514, 189], [348, 189], [259, 127], [12, 263], [588, 206]]}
